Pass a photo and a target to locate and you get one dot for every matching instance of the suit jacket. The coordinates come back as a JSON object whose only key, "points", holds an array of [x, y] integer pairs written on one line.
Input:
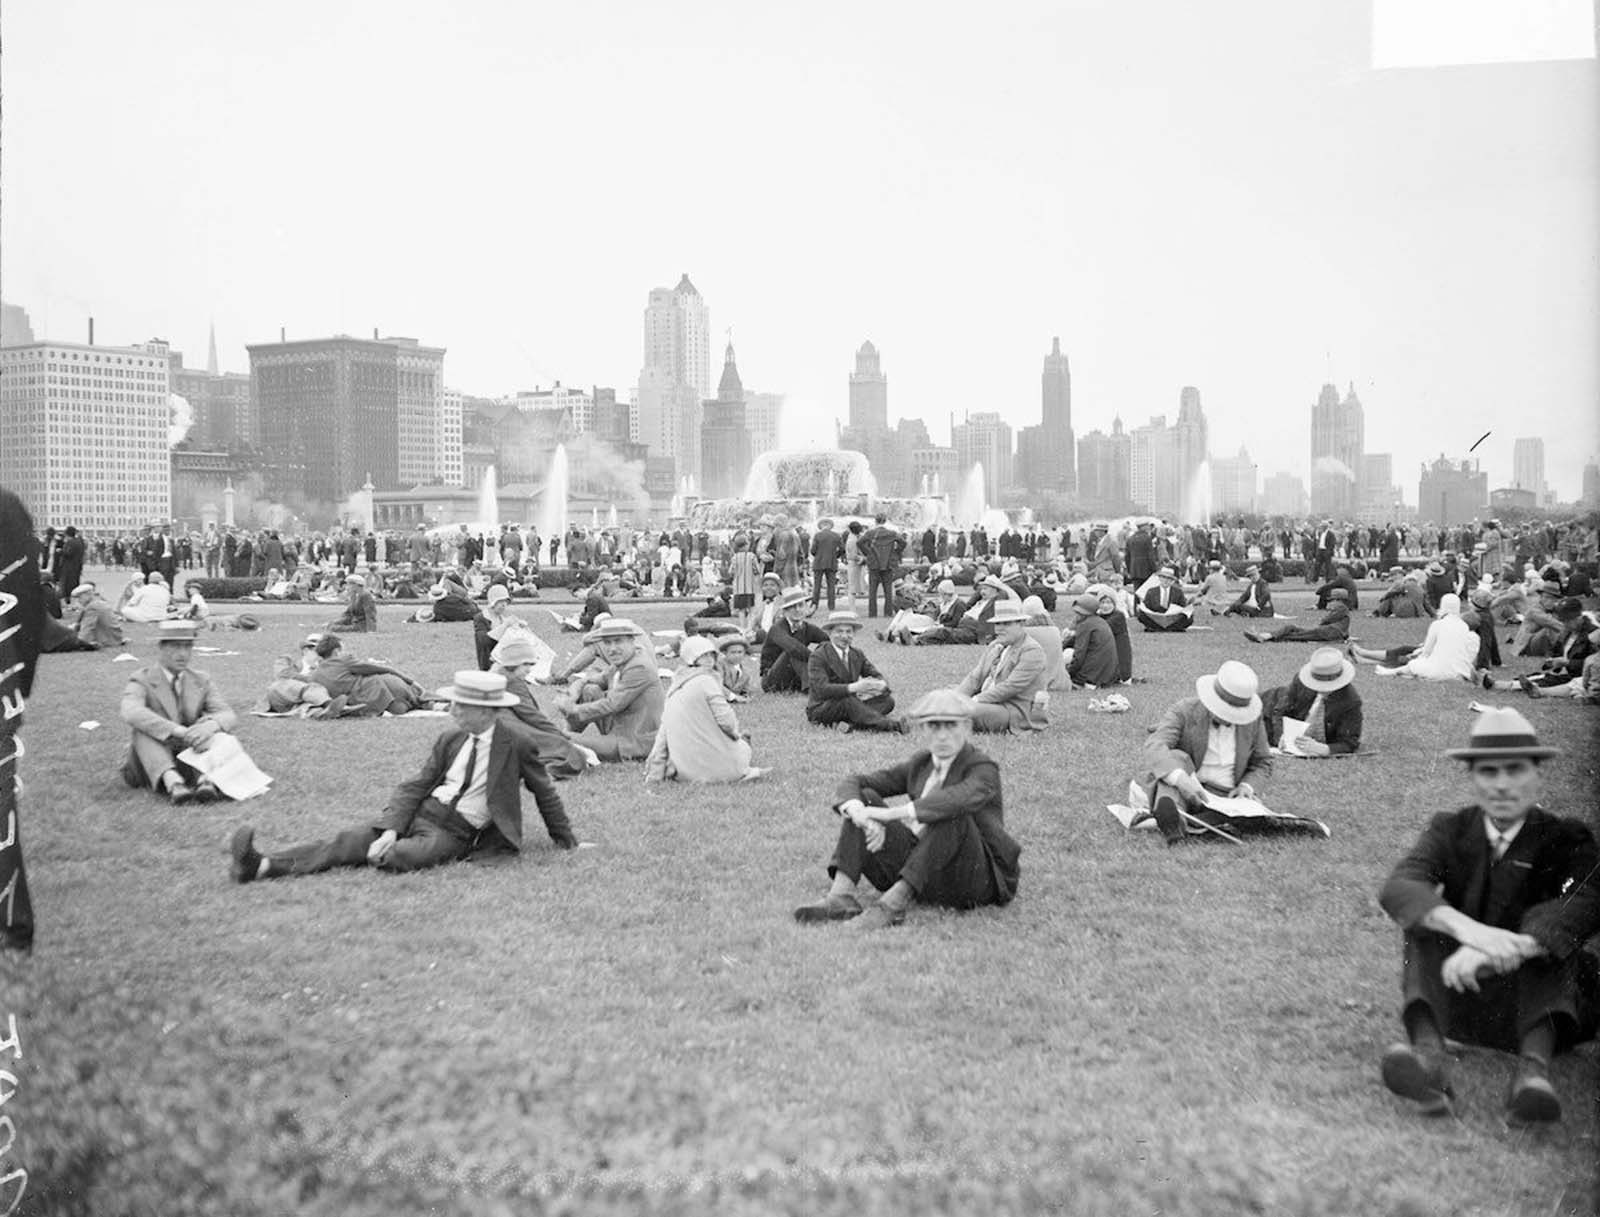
{"points": [[360, 617], [1547, 885], [1094, 654], [1152, 599], [513, 759], [1179, 739], [1019, 672], [971, 788], [98, 624], [1341, 713], [633, 699], [793, 642], [826, 548], [829, 676], [149, 707]]}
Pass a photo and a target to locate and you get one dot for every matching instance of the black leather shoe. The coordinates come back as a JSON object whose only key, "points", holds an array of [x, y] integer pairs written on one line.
{"points": [[1532, 1100], [205, 791], [245, 863], [1168, 820], [834, 908], [1418, 1076], [180, 793]]}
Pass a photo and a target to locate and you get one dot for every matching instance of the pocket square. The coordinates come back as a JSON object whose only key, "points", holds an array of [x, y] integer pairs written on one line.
{"points": [[1521, 865]]}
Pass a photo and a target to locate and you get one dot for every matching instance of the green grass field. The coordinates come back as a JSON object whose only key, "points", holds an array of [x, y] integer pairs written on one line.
{"points": [[641, 1027]]}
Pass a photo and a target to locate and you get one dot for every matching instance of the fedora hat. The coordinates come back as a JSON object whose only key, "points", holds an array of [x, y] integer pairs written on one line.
{"points": [[793, 596], [615, 627], [516, 649], [1009, 612], [1501, 732], [84, 589], [842, 617], [358, 580], [1435, 567], [1233, 694], [497, 592], [769, 577], [695, 648], [994, 583], [735, 638], [947, 587], [941, 705], [474, 688], [177, 631], [1327, 670], [1338, 593]]}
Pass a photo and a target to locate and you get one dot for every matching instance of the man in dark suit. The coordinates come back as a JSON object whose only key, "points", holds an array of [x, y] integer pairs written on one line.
{"points": [[845, 689], [947, 846], [1256, 598], [69, 560], [881, 546], [1323, 696], [1160, 609], [171, 708], [1327, 545], [464, 800], [826, 548], [1341, 578], [1334, 626], [1213, 742], [786, 652], [1497, 901], [1141, 555]]}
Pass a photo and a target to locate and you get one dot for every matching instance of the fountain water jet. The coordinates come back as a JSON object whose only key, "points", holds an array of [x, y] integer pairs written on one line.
{"points": [[553, 505], [489, 502], [1197, 498]]}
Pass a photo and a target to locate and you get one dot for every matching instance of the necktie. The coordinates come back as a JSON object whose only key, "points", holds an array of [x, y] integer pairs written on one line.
{"points": [[466, 778], [935, 780], [1316, 721], [177, 690], [1497, 847]]}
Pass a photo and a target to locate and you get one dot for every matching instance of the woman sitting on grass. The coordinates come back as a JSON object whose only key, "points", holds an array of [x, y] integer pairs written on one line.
{"points": [[699, 738]]}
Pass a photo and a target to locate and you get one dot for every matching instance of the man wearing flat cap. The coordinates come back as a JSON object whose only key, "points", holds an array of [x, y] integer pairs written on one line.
{"points": [[1164, 609], [625, 704], [466, 799], [1213, 741], [1334, 626], [1323, 698], [946, 846], [171, 708], [786, 653], [360, 614], [1497, 901], [96, 625], [845, 690], [1010, 674]]}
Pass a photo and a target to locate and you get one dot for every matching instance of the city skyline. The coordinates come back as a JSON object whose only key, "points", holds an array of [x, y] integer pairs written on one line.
{"points": [[1237, 200]]}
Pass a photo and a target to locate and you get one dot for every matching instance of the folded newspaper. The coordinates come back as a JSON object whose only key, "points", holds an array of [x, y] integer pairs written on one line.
{"points": [[228, 766]]}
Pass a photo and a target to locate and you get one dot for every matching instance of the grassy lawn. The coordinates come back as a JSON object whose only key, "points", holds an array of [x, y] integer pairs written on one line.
{"points": [[641, 1027]]}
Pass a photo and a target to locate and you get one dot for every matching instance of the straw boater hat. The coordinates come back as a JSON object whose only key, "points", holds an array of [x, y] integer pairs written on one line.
{"points": [[1009, 613], [473, 688], [1327, 671], [994, 583], [497, 592], [516, 650], [792, 597], [947, 587], [1232, 694], [358, 580], [311, 641], [724, 641], [941, 705], [1501, 732], [1167, 572], [616, 627], [769, 577], [695, 648], [177, 631], [83, 589], [842, 617]]}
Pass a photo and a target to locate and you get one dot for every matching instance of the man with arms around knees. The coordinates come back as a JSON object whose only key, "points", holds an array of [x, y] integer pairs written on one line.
{"points": [[172, 708], [947, 846], [1497, 901], [464, 800]]}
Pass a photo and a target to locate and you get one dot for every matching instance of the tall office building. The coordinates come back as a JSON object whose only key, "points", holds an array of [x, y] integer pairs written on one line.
{"points": [[1153, 482], [725, 436], [1452, 492], [869, 391], [1381, 500], [1233, 483], [420, 434], [1105, 467], [676, 375], [1047, 454], [1190, 446], [15, 328], [1591, 485], [763, 414], [223, 414], [985, 438], [1284, 494], [85, 433], [1338, 443], [1527, 465], [451, 407]]}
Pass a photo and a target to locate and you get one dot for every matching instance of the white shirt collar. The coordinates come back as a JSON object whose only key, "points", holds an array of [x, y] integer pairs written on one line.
{"points": [[1508, 836]]}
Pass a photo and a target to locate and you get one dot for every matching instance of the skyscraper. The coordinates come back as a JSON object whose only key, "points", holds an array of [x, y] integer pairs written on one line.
{"points": [[1153, 468], [1105, 466], [676, 375], [1190, 439], [1338, 442], [725, 436], [1591, 485], [869, 391], [985, 438], [1233, 483], [1046, 455], [1527, 465]]}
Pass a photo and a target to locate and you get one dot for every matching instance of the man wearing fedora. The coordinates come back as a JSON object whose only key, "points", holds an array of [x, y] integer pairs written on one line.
{"points": [[1010, 676], [1323, 696], [786, 651], [946, 846], [172, 707], [1256, 598], [464, 800], [974, 624], [845, 690], [624, 704], [1213, 741], [826, 549], [514, 657], [1163, 609], [1497, 901], [1334, 626]]}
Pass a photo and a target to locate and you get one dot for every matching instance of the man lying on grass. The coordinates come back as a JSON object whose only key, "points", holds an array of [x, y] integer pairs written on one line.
{"points": [[947, 846], [1497, 901], [465, 799]]}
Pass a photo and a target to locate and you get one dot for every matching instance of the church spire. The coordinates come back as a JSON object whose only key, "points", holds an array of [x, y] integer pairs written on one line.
{"points": [[730, 388], [211, 355]]}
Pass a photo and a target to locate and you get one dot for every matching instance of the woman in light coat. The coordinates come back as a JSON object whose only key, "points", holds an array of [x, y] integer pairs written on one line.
{"points": [[699, 738]]}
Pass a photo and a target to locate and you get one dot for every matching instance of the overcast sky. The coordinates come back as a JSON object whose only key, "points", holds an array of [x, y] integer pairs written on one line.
{"points": [[1226, 195]]}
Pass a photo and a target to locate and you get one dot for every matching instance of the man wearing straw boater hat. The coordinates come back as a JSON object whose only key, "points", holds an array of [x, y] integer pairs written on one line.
{"points": [[1213, 741], [464, 800], [1009, 676], [171, 708], [845, 690], [947, 846], [624, 703], [1322, 696], [1497, 901]]}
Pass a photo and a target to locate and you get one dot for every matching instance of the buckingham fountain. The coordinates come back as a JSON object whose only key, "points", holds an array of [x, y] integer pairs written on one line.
{"points": [[812, 484]]}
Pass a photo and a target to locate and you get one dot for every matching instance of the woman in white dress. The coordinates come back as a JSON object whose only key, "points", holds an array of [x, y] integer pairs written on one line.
{"points": [[699, 738], [150, 602]]}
